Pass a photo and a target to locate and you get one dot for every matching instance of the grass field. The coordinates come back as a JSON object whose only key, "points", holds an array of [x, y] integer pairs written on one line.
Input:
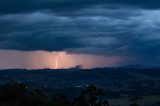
{"points": [[145, 100]]}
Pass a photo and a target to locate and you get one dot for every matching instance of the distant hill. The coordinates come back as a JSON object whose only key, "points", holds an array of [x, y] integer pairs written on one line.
{"points": [[79, 76]]}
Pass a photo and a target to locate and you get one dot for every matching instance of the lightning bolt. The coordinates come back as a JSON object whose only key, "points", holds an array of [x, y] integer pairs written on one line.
{"points": [[57, 60]]}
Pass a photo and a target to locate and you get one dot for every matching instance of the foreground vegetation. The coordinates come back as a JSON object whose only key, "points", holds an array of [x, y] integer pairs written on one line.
{"points": [[18, 94]]}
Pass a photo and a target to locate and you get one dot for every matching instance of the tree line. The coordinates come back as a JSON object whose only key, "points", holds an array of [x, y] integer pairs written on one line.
{"points": [[17, 94]]}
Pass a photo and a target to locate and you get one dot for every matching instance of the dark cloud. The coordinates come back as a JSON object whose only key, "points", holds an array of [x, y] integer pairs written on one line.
{"points": [[108, 27], [15, 6]]}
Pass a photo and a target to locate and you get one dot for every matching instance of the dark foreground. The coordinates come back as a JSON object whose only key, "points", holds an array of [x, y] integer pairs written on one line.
{"points": [[17, 94], [114, 87]]}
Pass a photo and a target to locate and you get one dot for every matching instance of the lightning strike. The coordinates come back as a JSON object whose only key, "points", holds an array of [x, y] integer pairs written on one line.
{"points": [[57, 60]]}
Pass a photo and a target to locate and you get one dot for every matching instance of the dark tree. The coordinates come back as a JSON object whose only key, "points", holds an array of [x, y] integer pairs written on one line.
{"points": [[94, 96]]}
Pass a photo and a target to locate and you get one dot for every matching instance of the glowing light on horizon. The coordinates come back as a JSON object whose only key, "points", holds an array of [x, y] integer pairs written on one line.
{"points": [[10, 59]]}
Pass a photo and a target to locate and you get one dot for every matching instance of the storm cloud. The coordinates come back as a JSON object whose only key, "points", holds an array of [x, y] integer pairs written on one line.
{"points": [[105, 27], [14, 6]]}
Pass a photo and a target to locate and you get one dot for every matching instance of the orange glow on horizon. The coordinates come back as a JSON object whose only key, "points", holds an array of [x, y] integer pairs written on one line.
{"points": [[54, 60]]}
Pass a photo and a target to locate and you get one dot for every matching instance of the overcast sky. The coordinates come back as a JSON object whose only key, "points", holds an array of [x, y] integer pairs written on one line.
{"points": [[121, 28]]}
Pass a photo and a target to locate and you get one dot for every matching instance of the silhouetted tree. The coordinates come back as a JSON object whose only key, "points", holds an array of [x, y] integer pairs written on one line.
{"points": [[93, 96], [105, 103], [134, 104], [17, 94]]}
